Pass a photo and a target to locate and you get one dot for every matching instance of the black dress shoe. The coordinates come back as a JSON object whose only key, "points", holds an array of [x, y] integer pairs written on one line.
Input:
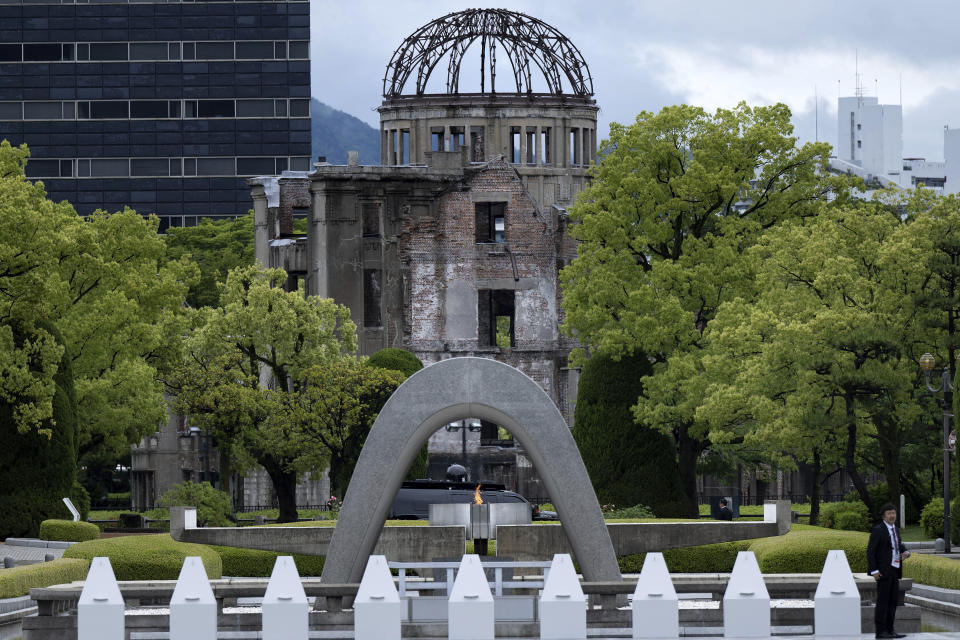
{"points": [[894, 634], [884, 634]]}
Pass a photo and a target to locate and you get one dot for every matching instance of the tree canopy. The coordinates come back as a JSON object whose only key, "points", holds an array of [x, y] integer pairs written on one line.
{"points": [[246, 359], [216, 247], [676, 200], [105, 283]]}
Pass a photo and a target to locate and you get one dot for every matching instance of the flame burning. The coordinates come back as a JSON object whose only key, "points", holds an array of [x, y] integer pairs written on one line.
{"points": [[476, 496]]}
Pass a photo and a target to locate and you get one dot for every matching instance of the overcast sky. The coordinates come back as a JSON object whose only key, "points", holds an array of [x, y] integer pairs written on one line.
{"points": [[644, 55]]}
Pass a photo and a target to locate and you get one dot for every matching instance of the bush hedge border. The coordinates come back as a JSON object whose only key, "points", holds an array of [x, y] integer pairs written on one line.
{"points": [[68, 531], [18, 581]]}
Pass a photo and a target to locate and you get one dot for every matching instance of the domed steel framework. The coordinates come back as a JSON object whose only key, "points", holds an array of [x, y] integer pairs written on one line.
{"points": [[524, 39]]}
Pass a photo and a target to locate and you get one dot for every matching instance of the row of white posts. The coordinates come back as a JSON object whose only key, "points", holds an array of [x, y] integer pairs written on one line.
{"points": [[563, 605]]}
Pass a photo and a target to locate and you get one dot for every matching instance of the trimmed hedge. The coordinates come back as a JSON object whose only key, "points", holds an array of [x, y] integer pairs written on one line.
{"points": [[68, 530], [935, 571], [253, 563], [830, 516], [707, 558], [18, 581], [806, 551], [147, 557]]}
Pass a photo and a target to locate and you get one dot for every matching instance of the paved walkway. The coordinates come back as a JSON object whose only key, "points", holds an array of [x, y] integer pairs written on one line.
{"points": [[26, 554]]}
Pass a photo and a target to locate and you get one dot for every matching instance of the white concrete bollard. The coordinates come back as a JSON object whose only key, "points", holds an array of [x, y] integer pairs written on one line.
{"points": [[563, 607], [769, 512], [376, 609], [470, 607], [193, 609], [656, 613], [746, 602], [100, 610], [837, 601], [285, 608]]}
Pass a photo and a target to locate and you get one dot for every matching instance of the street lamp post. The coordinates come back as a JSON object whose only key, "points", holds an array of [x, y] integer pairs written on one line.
{"points": [[946, 402], [463, 426]]}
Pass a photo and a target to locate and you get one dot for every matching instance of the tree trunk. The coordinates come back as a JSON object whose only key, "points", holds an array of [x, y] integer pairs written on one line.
{"points": [[850, 464], [285, 485], [815, 488], [890, 452], [688, 451]]}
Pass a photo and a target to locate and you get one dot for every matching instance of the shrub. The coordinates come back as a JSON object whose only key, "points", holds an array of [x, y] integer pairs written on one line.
{"points": [[37, 471], [805, 551], [408, 364], [628, 463], [936, 571], [68, 530], [830, 510], [396, 360], [955, 521], [636, 511], [849, 521], [213, 506], [879, 495], [708, 558], [147, 557], [18, 581], [255, 563], [931, 518], [80, 499]]}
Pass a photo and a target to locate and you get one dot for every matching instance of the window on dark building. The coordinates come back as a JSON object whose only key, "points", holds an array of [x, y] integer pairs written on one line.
{"points": [[299, 50], [149, 109], [299, 108], [254, 108], [371, 298], [254, 50], [10, 53], [491, 222], [495, 318], [255, 166], [108, 50], [149, 50], [42, 52], [103, 109], [214, 50], [371, 219], [215, 109]]}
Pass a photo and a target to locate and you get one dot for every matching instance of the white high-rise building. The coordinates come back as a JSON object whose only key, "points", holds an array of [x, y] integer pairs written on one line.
{"points": [[870, 145], [870, 135]]}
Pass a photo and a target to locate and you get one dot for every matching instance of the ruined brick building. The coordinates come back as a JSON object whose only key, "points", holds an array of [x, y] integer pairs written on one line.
{"points": [[453, 244]]}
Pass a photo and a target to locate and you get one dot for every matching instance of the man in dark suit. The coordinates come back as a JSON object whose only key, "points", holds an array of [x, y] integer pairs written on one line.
{"points": [[885, 555], [724, 512]]}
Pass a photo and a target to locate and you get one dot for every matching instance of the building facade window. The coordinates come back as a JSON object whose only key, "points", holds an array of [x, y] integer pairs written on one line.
{"points": [[491, 222]]}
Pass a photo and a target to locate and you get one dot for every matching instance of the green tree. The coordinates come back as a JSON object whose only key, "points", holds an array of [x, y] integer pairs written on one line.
{"points": [[676, 200], [38, 467], [216, 247], [628, 463], [825, 353], [333, 410], [106, 286], [244, 359], [213, 506], [408, 364]]}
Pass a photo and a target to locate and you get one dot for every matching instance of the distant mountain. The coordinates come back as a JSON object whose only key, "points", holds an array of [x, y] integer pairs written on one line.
{"points": [[336, 132]]}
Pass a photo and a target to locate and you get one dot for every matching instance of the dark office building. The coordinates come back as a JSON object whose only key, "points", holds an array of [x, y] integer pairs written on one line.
{"points": [[165, 107]]}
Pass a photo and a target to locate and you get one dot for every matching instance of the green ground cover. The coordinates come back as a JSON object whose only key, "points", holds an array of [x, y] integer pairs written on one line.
{"points": [[802, 550]]}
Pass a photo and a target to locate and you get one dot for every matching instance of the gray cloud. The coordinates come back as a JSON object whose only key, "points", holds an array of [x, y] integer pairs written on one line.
{"points": [[748, 47]]}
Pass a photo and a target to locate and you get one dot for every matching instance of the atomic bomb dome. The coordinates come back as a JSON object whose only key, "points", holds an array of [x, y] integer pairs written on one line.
{"points": [[451, 246], [526, 42], [544, 117]]}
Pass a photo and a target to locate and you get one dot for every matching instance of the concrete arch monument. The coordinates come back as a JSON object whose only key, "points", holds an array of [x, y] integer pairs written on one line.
{"points": [[446, 391]]}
